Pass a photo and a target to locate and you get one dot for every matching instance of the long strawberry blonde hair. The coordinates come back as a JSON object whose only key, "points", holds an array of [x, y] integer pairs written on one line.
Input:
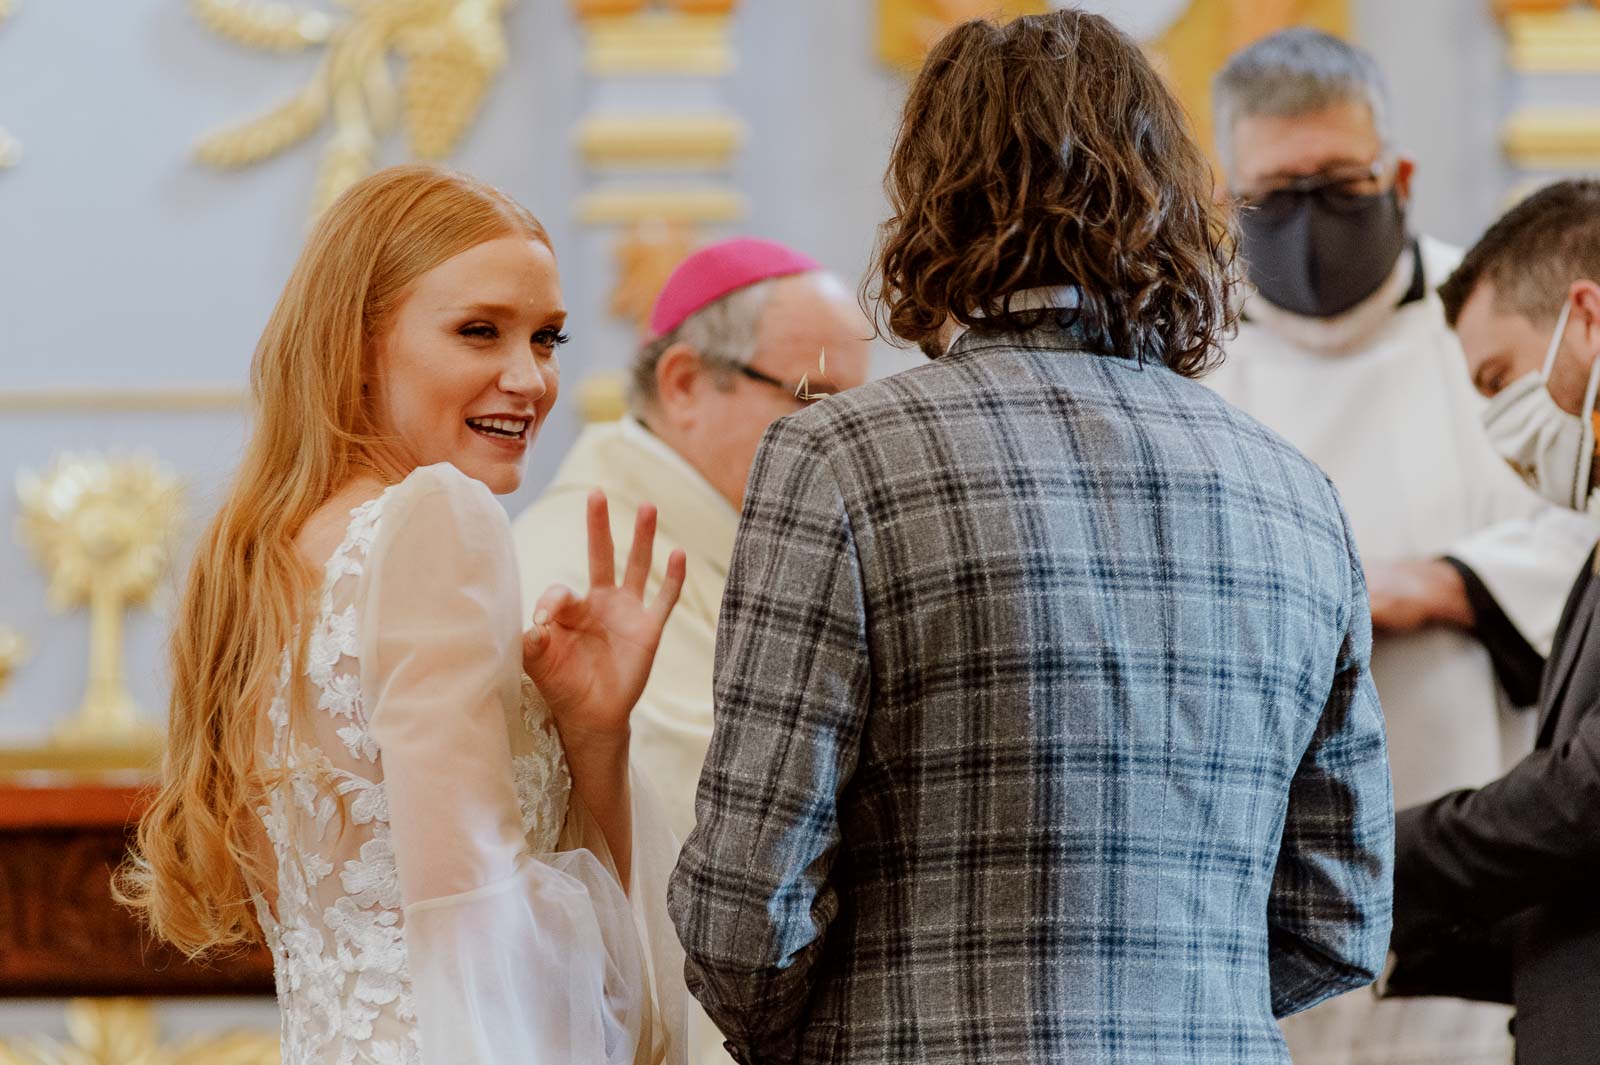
{"points": [[249, 590]]}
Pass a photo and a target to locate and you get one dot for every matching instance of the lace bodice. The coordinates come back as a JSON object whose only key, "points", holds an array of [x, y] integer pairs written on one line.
{"points": [[335, 922]]}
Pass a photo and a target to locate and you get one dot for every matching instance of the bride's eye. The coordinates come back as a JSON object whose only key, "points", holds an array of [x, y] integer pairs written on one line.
{"points": [[479, 331], [550, 338]]}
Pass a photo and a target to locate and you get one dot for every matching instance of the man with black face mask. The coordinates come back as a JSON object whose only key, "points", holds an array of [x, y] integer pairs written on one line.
{"points": [[1343, 349]]}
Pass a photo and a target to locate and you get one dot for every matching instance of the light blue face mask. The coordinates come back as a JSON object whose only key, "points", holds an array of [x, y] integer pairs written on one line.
{"points": [[1551, 449]]}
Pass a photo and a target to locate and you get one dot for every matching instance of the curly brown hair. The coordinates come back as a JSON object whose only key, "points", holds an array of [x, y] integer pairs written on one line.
{"points": [[1047, 151]]}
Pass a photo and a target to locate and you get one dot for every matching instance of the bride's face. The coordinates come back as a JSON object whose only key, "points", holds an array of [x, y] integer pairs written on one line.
{"points": [[467, 370]]}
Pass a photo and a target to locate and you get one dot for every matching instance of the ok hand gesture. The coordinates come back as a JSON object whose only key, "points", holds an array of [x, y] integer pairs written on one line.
{"points": [[590, 655]]}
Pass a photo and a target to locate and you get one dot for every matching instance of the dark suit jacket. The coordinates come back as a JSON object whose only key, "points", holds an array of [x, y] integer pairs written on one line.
{"points": [[1497, 890]]}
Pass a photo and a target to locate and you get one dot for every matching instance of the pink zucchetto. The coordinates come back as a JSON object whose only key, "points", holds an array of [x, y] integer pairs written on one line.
{"points": [[714, 271]]}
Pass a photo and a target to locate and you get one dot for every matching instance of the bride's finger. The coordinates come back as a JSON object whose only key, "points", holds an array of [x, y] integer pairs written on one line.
{"points": [[643, 549], [667, 598], [555, 607], [602, 552]]}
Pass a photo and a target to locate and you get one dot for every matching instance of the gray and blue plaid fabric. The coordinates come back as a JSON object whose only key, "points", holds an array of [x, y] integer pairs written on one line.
{"points": [[1044, 728]]}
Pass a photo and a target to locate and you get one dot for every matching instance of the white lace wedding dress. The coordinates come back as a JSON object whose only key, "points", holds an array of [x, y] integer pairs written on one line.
{"points": [[439, 897]]}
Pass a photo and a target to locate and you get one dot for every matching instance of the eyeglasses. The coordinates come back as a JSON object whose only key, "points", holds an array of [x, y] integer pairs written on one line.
{"points": [[803, 390], [1331, 186]]}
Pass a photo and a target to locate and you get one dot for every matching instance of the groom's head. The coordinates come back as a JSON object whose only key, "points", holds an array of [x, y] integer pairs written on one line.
{"points": [[1047, 152]]}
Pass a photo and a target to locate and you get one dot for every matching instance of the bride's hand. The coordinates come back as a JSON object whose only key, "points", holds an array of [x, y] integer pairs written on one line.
{"points": [[590, 655]]}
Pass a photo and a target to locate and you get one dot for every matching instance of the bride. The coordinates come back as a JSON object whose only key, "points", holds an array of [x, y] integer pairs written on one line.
{"points": [[359, 771]]}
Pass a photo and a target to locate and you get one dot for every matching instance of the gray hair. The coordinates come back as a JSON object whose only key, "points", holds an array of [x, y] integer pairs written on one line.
{"points": [[1296, 72], [723, 332]]}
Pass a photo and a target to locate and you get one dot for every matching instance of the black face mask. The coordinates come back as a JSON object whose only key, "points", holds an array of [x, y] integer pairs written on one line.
{"points": [[1319, 252]]}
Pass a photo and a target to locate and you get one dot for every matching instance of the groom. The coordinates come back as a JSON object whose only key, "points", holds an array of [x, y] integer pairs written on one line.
{"points": [[1044, 730]]}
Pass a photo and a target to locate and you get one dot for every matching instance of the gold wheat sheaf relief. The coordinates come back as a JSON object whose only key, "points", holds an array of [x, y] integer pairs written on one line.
{"points": [[10, 150], [451, 51]]}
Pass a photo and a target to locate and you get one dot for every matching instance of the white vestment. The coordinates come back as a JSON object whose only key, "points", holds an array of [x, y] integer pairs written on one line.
{"points": [[1381, 399], [672, 720]]}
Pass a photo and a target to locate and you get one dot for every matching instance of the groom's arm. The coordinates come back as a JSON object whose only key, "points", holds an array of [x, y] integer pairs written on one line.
{"points": [[1330, 910], [752, 897]]}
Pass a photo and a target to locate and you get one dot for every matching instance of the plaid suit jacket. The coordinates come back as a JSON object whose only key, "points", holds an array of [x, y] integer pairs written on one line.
{"points": [[1044, 728]]}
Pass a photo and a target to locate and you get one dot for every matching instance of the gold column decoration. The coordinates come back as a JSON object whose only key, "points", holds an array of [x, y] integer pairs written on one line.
{"points": [[1555, 43], [14, 651], [907, 29], [1550, 37], [119, 1031], [665, 141], [646, 255], [10, 150], [1200, 40], [452, 51], [102, 531], [660, 219], [1193, 47]]}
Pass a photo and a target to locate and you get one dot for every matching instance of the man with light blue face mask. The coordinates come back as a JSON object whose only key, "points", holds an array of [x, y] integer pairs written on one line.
{"points": [[1496, 887]]}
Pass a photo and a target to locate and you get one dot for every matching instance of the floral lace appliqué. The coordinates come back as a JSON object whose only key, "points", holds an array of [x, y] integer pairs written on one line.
{"points": [[336, 928]]}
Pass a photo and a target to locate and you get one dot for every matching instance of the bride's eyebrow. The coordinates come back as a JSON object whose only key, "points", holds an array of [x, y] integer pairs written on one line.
{"points": [[486, 309]]}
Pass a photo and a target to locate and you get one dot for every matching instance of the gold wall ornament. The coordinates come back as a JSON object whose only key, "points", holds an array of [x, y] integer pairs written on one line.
{"points": [[658, 42], [10, 150], [621, 204], [101, 529], [1553, 137], [623, 141], [646, 255], [1557, 43], [452, 49], [14, 650], [603, 397], [122, 1031], [1198, 39]]}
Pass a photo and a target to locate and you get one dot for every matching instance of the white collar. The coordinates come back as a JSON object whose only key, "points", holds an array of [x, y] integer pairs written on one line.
{"points": [[1045, 297], [640, 437]]}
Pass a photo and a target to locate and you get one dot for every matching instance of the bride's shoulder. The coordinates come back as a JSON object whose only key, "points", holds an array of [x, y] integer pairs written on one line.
{"points": [[441, 486], [440, 501]]}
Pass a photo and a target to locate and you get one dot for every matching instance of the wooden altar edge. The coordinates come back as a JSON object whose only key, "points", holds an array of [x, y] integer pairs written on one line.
{"points": [[61, 933]]}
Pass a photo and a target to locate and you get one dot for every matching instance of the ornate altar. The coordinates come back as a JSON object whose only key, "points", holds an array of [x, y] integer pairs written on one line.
{"points": [[100, 531]]}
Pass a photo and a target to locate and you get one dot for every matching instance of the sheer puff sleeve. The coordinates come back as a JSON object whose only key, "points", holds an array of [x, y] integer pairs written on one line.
{"points": [[514, 956]]}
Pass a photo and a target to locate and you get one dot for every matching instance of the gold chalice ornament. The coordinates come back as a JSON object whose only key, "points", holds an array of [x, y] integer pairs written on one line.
{"points": [[101, 529], [13, 652]]}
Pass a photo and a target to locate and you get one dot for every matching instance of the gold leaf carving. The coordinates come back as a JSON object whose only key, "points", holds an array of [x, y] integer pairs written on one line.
{"points": [[14, 651], [266, 135], [120, 1031], [452, 49], [449, 65], [10, 150], [275, 26], [646, 255]]}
